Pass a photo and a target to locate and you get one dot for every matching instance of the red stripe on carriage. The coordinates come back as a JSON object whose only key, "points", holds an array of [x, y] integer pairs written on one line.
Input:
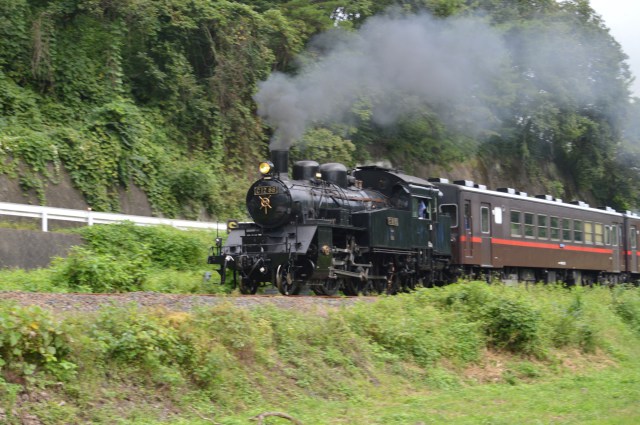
{"points": [[542, 245], [558, 246]]}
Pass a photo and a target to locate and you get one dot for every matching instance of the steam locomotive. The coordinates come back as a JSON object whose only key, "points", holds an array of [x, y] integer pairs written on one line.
{"points": [[374, 230], [378, 230]]}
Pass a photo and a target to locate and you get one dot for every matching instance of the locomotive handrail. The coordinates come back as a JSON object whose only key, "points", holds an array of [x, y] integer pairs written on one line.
{"points": [[95, 217]]}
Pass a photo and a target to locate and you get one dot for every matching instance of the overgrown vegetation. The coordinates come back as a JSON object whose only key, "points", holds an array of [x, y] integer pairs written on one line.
{"points": [[123, 258], [159, 94], [226, 362]]}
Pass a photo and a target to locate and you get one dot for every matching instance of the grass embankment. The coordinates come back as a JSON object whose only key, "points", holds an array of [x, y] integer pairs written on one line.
{"points": [[467, 353]]}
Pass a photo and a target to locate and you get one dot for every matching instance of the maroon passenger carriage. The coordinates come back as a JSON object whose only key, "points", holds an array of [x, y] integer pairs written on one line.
{"points": [[515, 237]]}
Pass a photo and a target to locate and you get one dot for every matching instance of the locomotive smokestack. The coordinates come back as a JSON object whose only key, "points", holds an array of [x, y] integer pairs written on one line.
{"points": [[280, 159]]}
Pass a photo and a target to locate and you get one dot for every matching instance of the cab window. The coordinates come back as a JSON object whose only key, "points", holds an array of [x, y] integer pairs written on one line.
{"points": [[422, 208]]}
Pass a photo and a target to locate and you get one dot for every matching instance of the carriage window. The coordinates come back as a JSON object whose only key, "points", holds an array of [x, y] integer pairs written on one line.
{"points": [[555, 228], [577, 230], [529, 225], [566, 229], [598, 233], [484, 219], [542, 226], [633, 237], [588, 232], [467, 215], [614, 235], [516, 229], [607, 235], [452, 211]]}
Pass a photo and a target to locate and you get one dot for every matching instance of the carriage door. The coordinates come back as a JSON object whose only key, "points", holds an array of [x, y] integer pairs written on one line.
{"points": [[615, 248], [485, 234], [633, 249], [468, 229]]}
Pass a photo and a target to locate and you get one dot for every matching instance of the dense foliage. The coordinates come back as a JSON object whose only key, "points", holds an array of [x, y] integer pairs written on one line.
{"points": [[123, 258], [160, 367], [160, 94]]}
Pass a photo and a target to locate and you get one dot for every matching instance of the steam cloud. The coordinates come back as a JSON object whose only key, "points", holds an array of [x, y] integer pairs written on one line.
{"points": [[394, 62], [397, 63]]}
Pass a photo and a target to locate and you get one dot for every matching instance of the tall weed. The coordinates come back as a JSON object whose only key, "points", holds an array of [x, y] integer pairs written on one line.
{"points": [[626, 304]]}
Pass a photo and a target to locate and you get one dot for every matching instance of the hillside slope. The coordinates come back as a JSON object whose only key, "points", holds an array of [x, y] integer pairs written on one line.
{"points": [[164, 108]]}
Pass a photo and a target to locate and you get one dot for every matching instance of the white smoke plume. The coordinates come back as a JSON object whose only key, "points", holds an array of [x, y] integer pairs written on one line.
{"points": [[395, 62]]}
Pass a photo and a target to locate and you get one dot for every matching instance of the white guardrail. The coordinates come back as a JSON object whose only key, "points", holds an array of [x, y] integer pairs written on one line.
{"points": [[94, 217]]}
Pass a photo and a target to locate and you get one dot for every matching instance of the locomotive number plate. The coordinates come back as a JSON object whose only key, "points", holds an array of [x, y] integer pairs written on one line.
{"points": [[393, 221], [265, 190]]}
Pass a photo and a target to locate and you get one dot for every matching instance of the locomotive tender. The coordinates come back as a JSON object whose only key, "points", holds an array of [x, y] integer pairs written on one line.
{"points": [[379, 230]]}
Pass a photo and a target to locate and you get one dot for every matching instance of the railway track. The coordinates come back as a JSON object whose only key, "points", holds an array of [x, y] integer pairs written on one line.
{"points": [[84, 302]]}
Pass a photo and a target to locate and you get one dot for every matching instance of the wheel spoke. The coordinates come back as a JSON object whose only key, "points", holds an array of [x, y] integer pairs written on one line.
{"points": [[285, 281], [248, 286]]}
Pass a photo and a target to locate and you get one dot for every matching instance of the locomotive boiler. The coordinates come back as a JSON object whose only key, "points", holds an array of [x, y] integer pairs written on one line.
{"points": [[371, 229]]}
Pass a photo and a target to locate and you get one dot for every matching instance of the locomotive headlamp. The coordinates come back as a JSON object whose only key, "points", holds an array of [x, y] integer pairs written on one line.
{"points": [[232, 224], [265, 167]]}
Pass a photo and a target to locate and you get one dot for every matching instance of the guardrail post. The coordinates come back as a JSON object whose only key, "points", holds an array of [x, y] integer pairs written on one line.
{"points": [[89, 218], [45, 224]]}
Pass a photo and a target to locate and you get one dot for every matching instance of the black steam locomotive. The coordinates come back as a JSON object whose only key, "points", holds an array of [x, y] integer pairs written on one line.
{"points": [[371, 230]]}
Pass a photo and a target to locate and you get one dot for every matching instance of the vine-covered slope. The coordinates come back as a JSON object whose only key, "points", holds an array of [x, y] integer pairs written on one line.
{"points": [[113, 97]]}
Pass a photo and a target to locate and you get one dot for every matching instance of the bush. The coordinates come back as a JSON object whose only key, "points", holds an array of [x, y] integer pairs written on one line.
{"points": [[626, 304], [86, 270], [165, 246], [121, 257], [31, 341], [513, 325], [569, 319], [411, 328], [136, 338]]}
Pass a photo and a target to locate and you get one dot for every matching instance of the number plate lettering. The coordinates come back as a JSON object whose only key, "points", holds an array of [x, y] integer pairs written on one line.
{"points": [[265, 190], [393, 221]]}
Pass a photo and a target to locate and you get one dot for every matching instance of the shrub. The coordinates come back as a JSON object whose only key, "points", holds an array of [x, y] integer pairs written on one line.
{"points": [[513, 325], [32, 341], [569, 320], [86, 270], [120, 257], [626, 304], [139, 339], [165, 246], [411, 328]]}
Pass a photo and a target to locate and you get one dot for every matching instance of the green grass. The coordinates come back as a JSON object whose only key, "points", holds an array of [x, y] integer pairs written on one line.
{"points": [[601, 398], [449, 355]]}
